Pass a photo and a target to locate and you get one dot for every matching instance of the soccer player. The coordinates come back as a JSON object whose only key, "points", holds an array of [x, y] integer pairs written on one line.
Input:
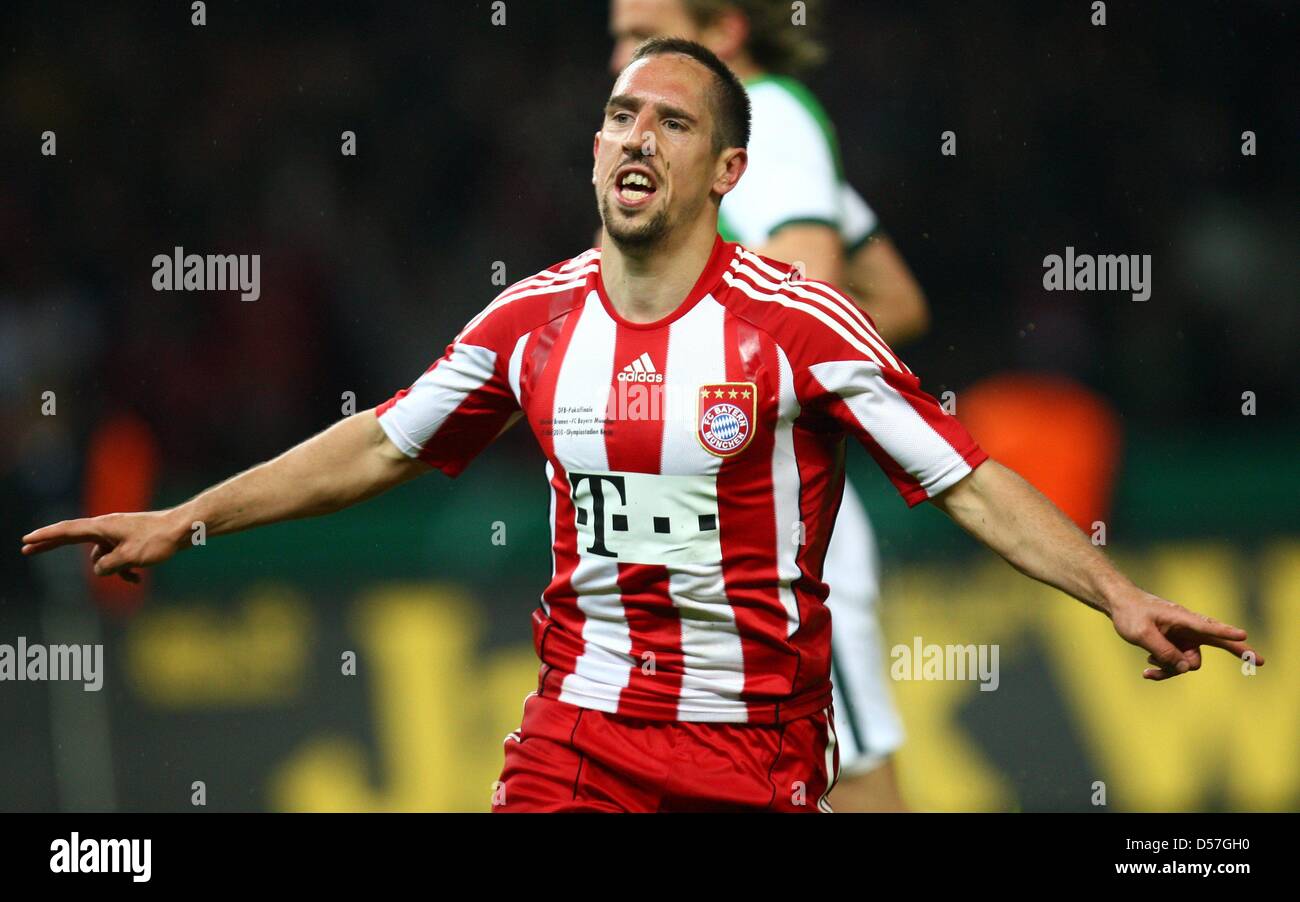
{"points": [[794, 204], [684, 640]]}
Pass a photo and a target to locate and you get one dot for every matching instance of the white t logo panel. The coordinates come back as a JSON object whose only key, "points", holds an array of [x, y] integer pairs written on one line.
{"points": [[646, 518]]}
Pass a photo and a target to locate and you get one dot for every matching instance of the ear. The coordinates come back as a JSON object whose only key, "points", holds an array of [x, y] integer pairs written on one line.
{"points": [[595, 152], [731, 166]]}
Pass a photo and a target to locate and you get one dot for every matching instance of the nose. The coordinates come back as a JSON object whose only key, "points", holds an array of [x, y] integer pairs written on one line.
{"points": [[636, 139]]}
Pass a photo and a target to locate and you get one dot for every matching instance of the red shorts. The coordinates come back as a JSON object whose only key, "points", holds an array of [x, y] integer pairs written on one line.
{"points": [[566, 758]]}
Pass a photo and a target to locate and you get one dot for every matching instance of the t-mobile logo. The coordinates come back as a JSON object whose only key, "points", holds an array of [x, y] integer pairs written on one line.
{"points": [[598, 508], [647, 518]]}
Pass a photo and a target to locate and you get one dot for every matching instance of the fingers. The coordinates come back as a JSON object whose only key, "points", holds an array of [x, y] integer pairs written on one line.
{"points": [[103, 563], [1241, 651], [112, 562], [1179, 651], [1155, 674], [1163, 673], [38, 547], [1205, 626], [1164, 654], [125, 571], [1190, 629], [1236, 649], [65, 532], [1191, 655], [107, 557], [1220, 635], [1224, 631]]}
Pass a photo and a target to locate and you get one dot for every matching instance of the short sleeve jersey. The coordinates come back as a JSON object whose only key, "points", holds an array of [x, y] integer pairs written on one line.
{"points": [[794, 173], [695, 467]]}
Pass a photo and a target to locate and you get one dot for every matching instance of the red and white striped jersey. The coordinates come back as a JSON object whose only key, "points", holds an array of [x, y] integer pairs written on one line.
{"points": [[695, 465]]}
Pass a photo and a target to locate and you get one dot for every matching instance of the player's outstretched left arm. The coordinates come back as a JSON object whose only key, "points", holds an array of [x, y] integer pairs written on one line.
{"points": [[1010, 516]]}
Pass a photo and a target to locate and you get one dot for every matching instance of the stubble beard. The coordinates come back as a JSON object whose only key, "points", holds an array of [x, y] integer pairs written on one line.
{"points": [[633, 235]]}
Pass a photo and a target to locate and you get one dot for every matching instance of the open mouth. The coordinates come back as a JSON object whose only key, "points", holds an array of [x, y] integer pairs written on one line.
{"points": [[634, 186]]}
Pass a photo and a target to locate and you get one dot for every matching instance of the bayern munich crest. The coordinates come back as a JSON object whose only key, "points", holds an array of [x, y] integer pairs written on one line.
{"points": [[726, 421]]}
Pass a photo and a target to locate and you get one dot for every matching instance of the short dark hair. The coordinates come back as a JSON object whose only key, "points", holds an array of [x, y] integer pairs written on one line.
{"points": [[728, 98]]}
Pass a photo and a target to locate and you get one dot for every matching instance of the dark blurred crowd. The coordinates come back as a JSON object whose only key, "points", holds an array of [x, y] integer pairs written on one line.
{"points": [[473, 146]]}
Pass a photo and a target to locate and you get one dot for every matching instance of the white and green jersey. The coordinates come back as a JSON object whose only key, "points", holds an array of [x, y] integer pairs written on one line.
{"points": [[794, 173], [795, 176]]}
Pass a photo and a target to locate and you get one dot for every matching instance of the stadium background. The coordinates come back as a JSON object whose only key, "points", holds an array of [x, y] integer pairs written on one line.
{"points": [[473, 149]]}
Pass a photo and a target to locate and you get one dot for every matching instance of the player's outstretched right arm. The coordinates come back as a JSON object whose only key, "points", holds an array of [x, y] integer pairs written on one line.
{"points": [[351, 461], [1014, 519]]}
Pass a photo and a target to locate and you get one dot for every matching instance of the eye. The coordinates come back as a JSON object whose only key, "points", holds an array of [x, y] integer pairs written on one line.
{"points": [[620, 118], [674, 125]]}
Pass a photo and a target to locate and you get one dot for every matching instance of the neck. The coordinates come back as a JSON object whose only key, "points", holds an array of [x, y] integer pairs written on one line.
{"points": [[646, 284]]}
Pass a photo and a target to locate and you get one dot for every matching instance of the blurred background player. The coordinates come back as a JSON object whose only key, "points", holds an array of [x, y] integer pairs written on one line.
{"points": [[794, 204]]}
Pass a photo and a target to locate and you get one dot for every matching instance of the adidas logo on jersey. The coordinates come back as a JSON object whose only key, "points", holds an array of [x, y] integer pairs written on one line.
{"points": [[640, 370]]}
